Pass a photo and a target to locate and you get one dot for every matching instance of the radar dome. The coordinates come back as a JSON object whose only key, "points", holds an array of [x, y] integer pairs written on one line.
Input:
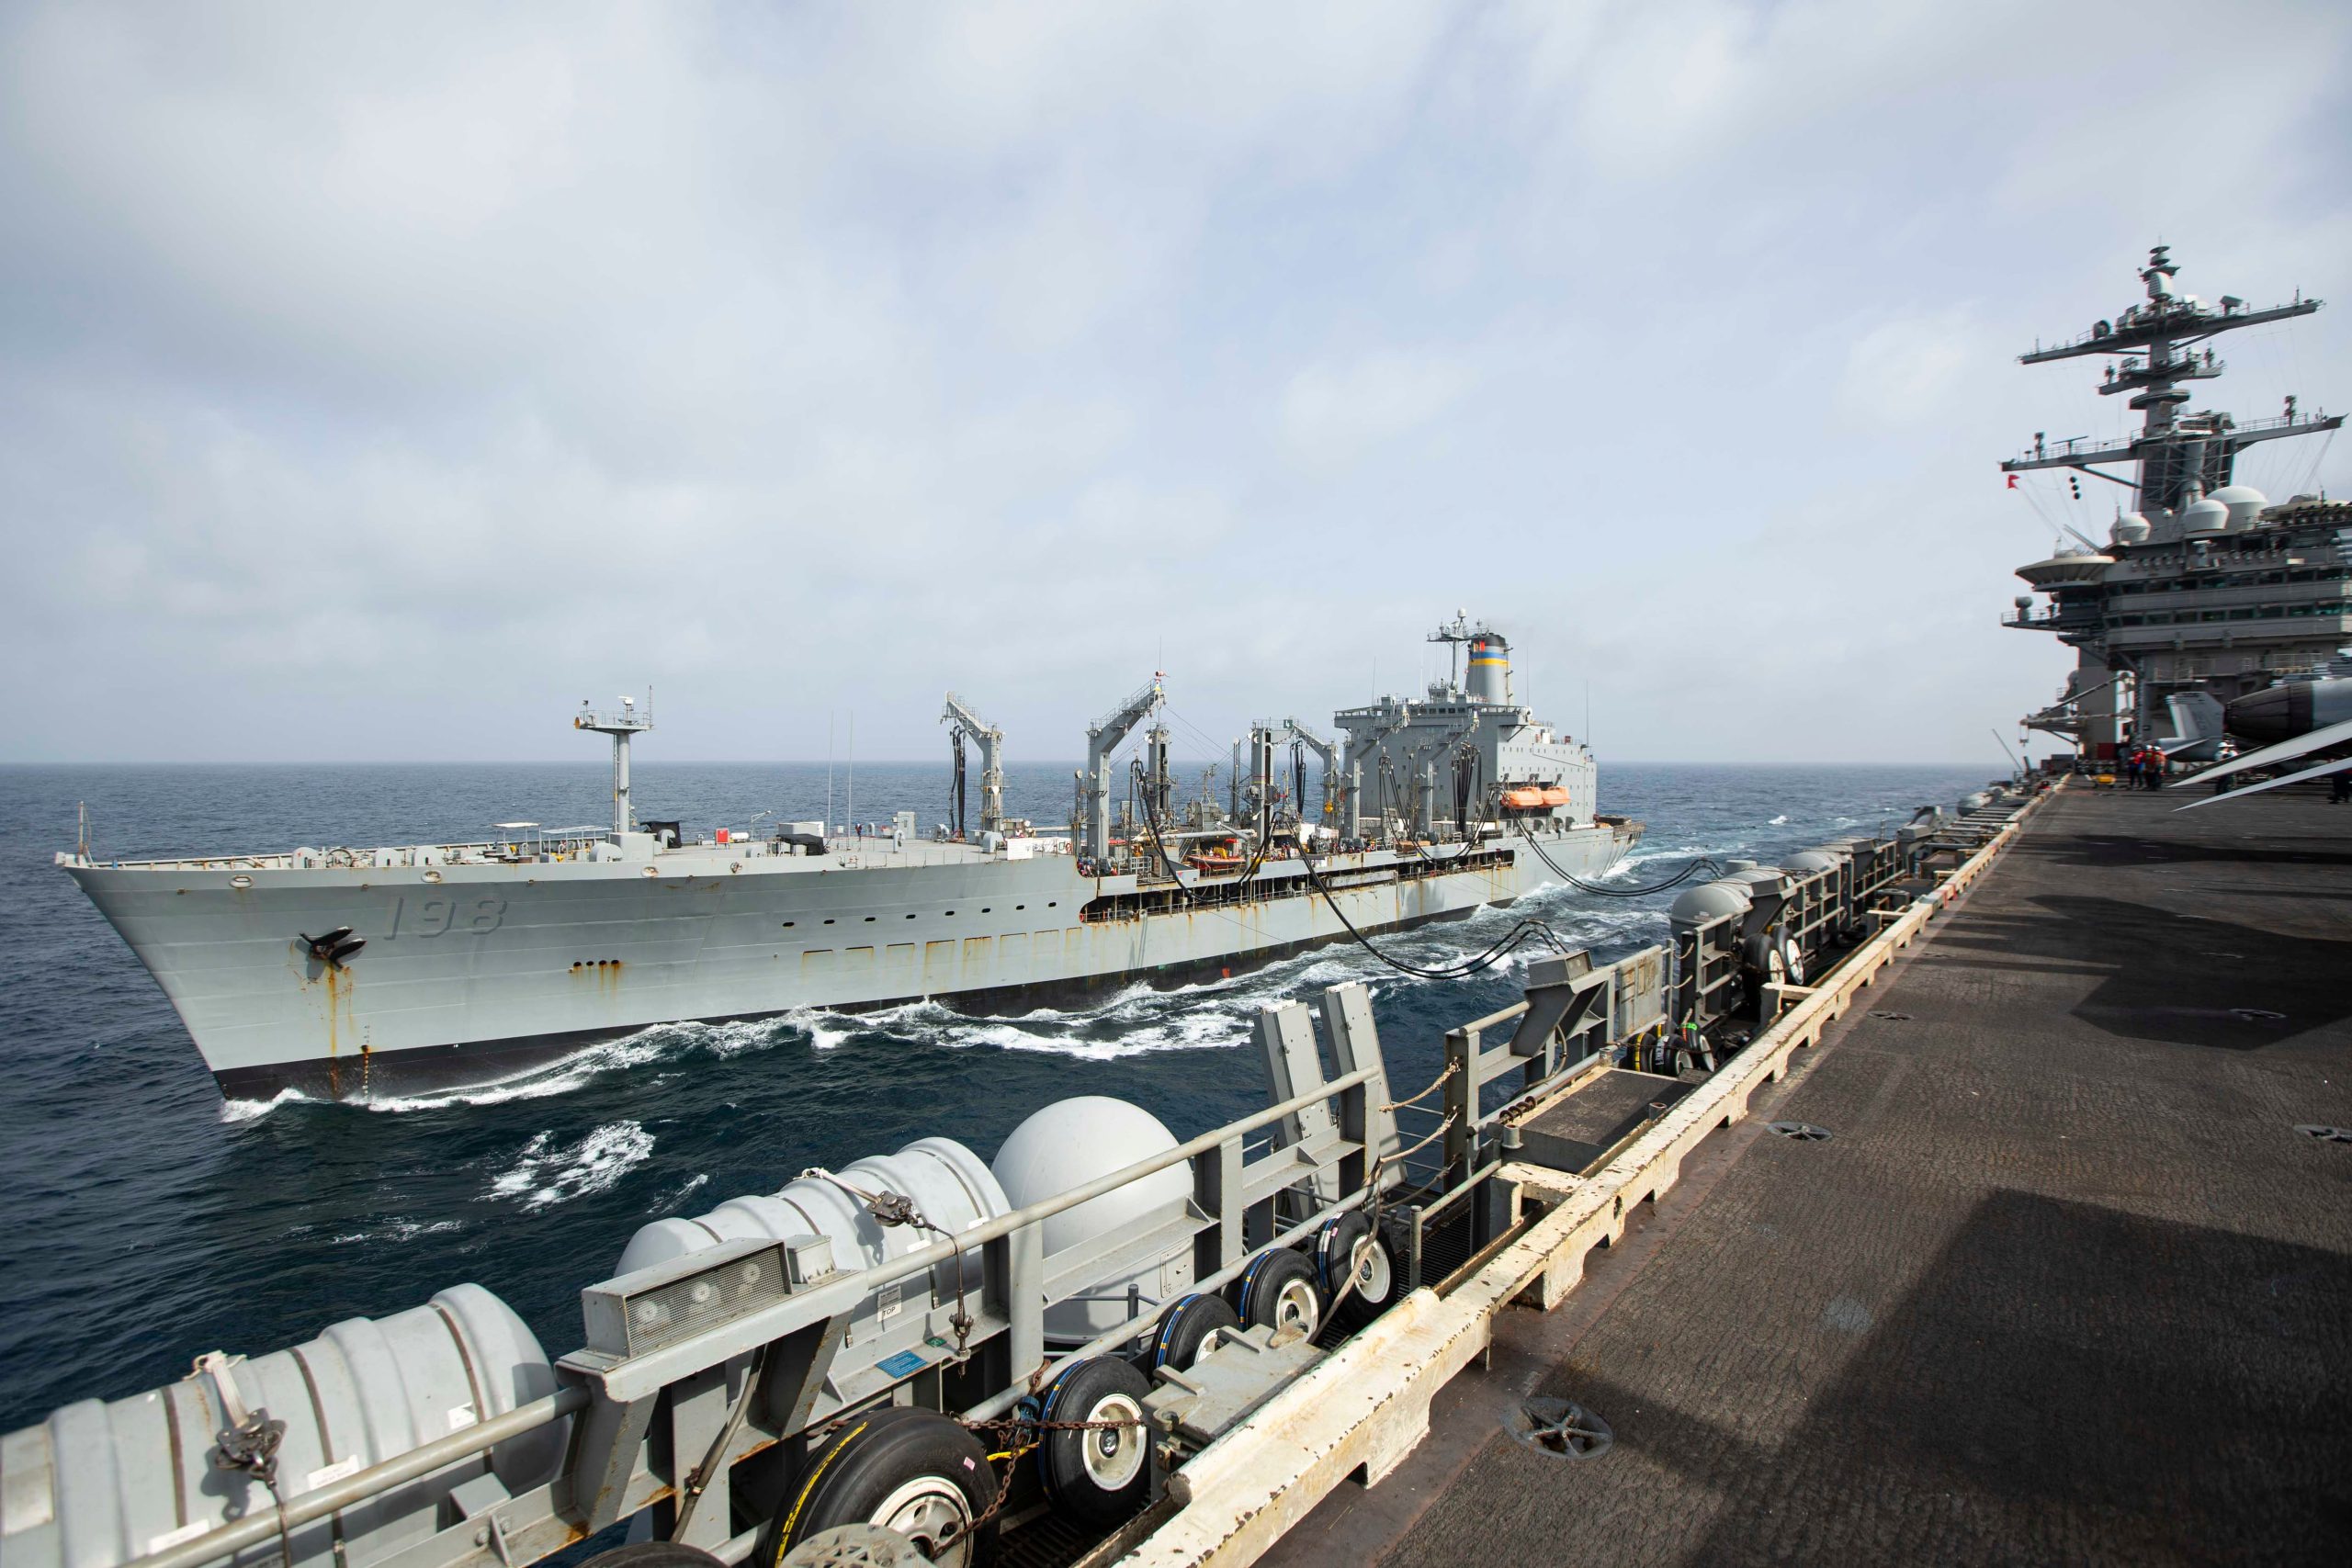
{"points": [[2206, 516], [1067, 1144], [2130, 529], [2244, 503]]}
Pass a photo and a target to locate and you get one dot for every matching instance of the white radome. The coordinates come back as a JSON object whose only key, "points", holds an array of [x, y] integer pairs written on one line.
{"points": [[2244, 502], [1067, 1144], [2205, 516]]}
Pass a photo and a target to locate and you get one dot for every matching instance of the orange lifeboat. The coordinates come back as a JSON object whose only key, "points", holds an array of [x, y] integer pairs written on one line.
{"points": [[1557, 795], [1527, 799], [1216, 861]]}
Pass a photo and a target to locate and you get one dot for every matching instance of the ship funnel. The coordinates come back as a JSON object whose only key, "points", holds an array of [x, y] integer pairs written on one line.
{"points": [[1490, 668]]}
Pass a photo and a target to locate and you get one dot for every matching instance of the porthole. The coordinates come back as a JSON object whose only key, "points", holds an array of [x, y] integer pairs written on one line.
{"points": [[869, 920], [910, 916], [787, 925], [829, 922], [1021, 906]]}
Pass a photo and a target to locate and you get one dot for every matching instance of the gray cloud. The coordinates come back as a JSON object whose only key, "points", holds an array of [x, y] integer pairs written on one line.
{"points": [[379, 381]]}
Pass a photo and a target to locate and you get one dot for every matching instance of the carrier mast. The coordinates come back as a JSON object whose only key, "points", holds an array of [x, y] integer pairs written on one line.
{"points": [[2174, 452]]}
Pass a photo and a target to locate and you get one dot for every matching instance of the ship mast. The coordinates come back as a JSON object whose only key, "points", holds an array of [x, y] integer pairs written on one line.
{"points": [[2174, 452], [620, 727]]}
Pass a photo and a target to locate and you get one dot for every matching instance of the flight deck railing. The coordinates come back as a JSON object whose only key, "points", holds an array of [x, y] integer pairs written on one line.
{"points": [[1576, 1012]]}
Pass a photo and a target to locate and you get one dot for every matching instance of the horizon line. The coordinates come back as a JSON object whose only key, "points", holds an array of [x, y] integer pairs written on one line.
{"points": [[601, 764]]}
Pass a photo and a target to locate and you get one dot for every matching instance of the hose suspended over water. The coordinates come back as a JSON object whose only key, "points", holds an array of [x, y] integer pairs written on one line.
{"points": [[1704, 862], [1512, 938]]}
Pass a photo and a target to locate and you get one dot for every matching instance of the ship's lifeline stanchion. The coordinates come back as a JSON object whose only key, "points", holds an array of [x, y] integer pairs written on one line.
{"points": [[1367, 1406]]}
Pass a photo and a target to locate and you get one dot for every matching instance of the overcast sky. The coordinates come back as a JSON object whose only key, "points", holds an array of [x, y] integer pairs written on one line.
{"points": [[378, 383]]}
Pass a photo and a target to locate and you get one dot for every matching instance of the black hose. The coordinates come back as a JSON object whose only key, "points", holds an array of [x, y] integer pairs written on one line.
{"points": [[1686, 873], [1159, 842], [1389, 802], [1462, 971]]}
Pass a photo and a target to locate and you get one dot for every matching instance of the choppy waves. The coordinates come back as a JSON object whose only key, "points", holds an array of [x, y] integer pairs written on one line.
{"points": [[547, 1173]]}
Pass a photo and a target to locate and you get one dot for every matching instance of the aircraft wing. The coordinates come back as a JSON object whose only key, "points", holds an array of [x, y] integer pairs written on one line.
{"points": [[2325, 767], [2318, 740]]}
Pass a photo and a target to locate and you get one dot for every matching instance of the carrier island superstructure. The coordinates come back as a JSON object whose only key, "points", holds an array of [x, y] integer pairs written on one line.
{"points": [[342, 971], [2204, 592]]}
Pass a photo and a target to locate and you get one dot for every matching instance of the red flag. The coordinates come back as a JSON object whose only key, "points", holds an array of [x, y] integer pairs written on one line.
{"points": [[2013, 481]]}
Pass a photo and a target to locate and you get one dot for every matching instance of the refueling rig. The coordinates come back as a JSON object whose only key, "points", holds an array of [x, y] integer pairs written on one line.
{"points": [[948, 1358]]}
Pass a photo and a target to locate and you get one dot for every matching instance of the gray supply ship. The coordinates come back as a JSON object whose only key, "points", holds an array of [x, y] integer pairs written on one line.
{"points": [[342, 971]]}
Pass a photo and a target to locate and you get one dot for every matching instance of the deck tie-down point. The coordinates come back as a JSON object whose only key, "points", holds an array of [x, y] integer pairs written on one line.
{"points": [[1802, 1132], [2323, 1132], [1559, 1427]]}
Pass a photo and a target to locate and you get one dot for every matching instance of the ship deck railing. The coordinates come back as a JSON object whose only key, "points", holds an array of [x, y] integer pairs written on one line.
{"points": [[1317, 1142]]}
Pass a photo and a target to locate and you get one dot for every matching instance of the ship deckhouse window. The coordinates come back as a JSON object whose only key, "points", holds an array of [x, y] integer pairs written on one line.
{"points": [[869, 920], [910, 916], [787, 925], [829, 922]]}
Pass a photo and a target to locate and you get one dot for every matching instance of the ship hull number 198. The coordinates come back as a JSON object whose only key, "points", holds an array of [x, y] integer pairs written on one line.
{"points": [[440, 915]]}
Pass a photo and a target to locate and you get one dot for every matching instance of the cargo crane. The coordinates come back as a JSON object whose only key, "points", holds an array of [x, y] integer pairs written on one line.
{"points": [[1328, 754], [990, 741], [1103, 737]]}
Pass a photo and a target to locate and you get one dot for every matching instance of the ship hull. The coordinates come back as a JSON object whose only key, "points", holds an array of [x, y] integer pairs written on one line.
{"points": [[482, 970]]}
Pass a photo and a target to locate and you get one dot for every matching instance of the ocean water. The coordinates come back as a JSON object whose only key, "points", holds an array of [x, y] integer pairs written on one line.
{"points": [[148, 1221]]}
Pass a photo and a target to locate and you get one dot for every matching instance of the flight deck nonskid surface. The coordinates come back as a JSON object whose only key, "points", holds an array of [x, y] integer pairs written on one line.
{"points": [[2064, 1283]]}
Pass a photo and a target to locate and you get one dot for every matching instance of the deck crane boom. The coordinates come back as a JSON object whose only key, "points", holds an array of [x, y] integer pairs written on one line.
{"points": [[1328, 754], [1103, 737], [990, 740]]}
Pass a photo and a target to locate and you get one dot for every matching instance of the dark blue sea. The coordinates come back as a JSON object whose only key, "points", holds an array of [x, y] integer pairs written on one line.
{"points": [[150, 1222]]}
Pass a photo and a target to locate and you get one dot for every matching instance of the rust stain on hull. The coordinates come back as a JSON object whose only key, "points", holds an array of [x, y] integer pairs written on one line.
{"points": [[606, 972]]}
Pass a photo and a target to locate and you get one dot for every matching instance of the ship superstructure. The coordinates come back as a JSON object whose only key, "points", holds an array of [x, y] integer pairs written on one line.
{"points": [[2204, 589], [342, 970]]}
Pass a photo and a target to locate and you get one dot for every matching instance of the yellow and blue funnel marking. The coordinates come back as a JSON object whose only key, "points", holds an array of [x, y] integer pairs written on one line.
{"points": [[1484, 652]]}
